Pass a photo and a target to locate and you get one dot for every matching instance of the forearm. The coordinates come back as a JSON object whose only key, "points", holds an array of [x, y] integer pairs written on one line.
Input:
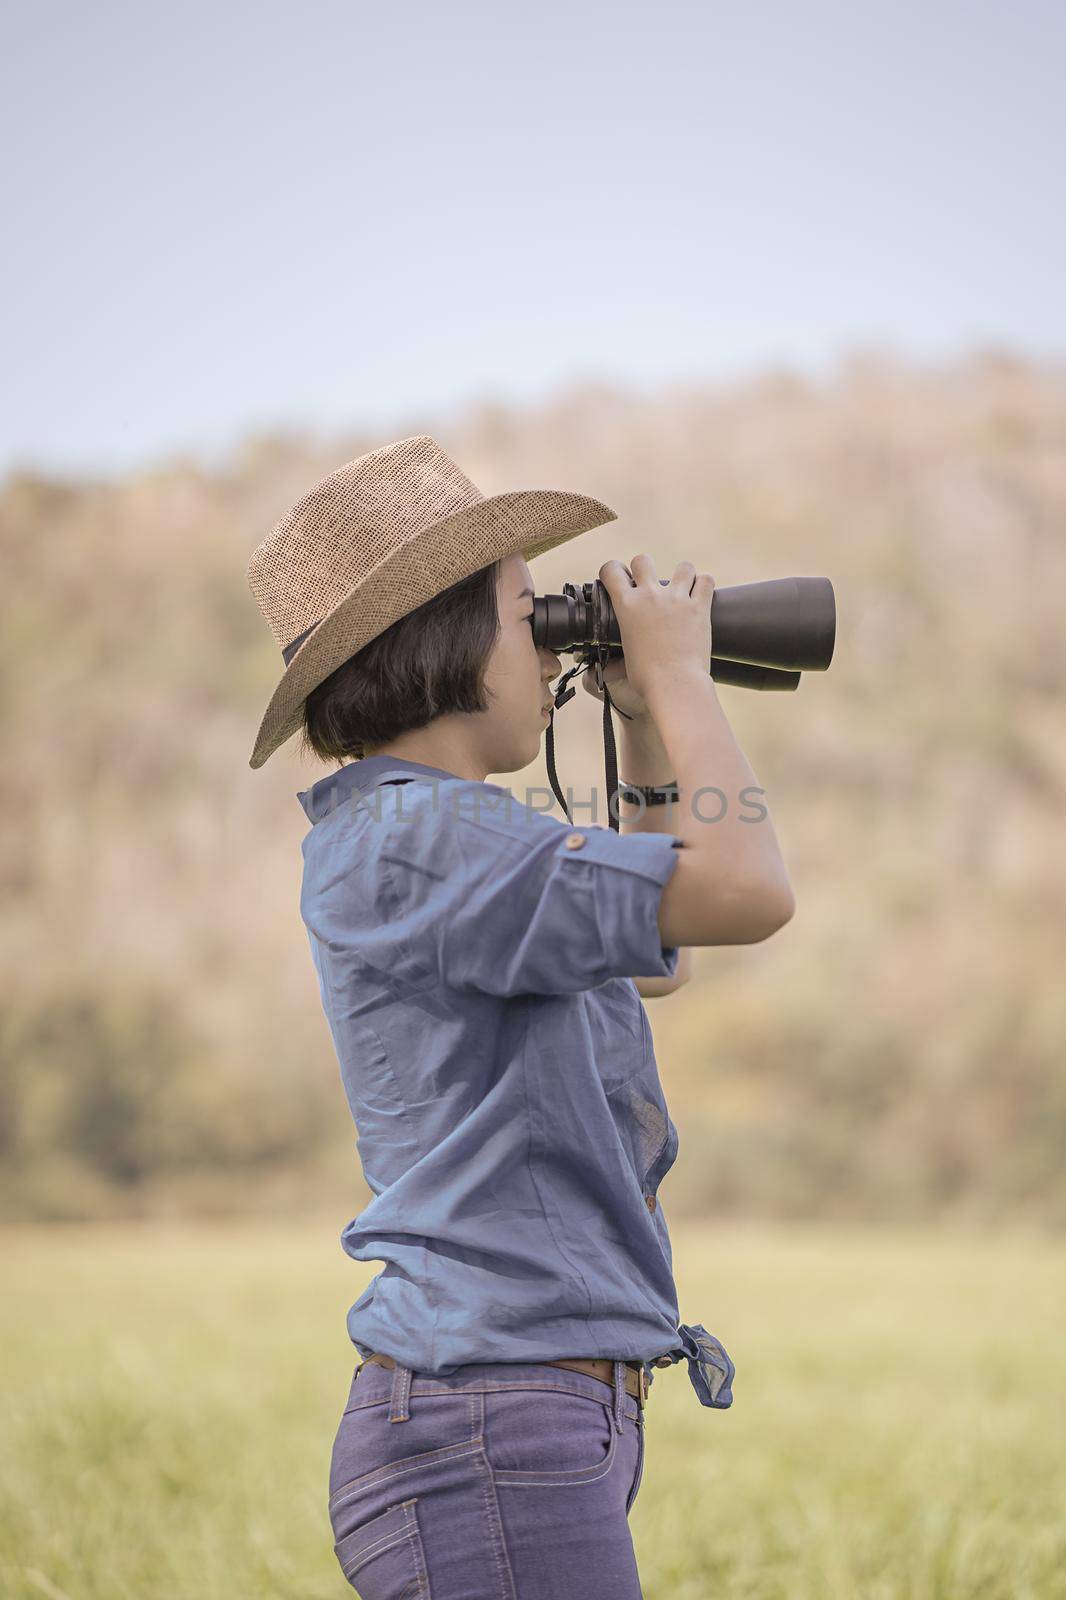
{"points": [[642, 758], [721, 814]]}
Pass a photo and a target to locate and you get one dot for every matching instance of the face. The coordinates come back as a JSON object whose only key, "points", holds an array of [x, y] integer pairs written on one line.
{"points": [[506, 736], [517, 676]]}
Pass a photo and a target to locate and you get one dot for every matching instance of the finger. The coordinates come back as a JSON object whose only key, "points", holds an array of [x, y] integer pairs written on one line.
{"points": [[643, 568], [615, 577]]}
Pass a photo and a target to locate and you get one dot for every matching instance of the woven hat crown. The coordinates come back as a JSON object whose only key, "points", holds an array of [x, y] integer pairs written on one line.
{"points": [[375, 540], [346, 525]]}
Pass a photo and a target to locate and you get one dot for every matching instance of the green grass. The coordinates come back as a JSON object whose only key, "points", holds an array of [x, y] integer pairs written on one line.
{"points": [[898, 1431]]}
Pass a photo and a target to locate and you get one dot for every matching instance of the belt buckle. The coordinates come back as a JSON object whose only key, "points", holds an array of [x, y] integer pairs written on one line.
{"points": [[642, 1385]]}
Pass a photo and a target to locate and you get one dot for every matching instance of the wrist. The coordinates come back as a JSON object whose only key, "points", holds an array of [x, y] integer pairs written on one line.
{"points": [[648, 794], [642, 756], [663, 686]]}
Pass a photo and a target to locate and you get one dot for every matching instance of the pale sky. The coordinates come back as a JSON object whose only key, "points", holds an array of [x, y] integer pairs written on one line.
{"points": [[245, 216]]}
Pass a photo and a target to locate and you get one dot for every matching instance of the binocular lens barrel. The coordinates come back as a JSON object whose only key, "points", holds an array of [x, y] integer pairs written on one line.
{"points": [[763, 635]]}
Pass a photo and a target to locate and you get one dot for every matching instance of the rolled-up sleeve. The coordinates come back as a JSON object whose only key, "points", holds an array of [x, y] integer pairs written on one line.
{"points": [[518, 903]]}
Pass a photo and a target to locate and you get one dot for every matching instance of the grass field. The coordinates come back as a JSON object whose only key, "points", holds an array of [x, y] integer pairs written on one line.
{"points": [[899, 1426]]}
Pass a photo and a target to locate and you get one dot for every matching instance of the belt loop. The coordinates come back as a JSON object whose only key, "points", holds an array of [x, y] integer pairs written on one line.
{"points": [[401, 1393], [619, 1393]]}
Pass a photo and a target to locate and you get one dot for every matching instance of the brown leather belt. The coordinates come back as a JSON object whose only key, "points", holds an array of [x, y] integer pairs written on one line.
{"points": [[601, 1367]]}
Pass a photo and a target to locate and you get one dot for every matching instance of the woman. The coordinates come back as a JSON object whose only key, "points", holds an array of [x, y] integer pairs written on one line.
{"points": [[476, 960]]}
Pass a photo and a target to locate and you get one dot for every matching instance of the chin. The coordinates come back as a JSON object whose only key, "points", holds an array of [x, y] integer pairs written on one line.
{"points": [[517, 759]]}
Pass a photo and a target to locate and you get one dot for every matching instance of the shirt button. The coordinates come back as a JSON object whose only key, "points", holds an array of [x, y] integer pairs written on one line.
{"points": [[649, 1200], [574, 841]]}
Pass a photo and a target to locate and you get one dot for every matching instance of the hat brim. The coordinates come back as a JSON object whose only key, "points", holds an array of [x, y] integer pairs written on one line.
{"points": [[527, 522]]}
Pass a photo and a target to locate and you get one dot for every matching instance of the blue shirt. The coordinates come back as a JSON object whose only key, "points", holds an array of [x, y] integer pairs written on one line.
{"points": [[476, 959]]}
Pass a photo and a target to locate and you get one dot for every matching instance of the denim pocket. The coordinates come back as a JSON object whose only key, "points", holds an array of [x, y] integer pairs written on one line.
{"points": [[634, 1488], [542, 1437], [369, 1450], [383, 1559]]}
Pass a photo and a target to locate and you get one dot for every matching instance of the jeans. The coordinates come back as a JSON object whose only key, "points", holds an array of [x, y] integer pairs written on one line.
{"points": [[505, 1481]]}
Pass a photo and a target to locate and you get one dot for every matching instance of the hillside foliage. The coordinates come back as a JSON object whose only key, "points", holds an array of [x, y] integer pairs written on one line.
{"points": [[896, 1052]]}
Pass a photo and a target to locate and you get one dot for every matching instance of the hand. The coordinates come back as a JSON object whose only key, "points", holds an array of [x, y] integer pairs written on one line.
{"points": [[664, 626], [623, 694]]}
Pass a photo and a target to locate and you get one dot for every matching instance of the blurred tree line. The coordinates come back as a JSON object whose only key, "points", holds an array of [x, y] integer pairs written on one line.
{"points": [[896, 1052]]}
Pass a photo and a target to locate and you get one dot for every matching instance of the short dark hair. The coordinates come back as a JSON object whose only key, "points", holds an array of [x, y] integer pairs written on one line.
{"points": [[427, 663]]}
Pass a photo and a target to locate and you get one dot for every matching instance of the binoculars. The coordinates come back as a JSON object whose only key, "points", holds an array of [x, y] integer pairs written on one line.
{"points": [[763, 635]]}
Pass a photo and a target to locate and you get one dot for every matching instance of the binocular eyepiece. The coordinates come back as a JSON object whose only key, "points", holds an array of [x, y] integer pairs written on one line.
{"points": [[763, 635]]}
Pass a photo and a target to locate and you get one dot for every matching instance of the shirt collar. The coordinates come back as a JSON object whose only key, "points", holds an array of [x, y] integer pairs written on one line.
{"points": [[358, 776]]}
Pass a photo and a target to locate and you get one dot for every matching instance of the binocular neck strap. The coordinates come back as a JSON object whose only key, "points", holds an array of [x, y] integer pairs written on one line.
{"points": [[610, 755]]}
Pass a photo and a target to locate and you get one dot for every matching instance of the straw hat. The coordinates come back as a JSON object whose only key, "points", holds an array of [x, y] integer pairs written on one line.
{"points": [[375, 540]]}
